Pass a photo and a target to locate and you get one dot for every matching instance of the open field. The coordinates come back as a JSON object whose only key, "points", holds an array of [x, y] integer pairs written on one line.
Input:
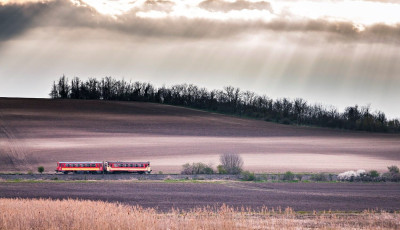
{"points": [[75, 214], [166, 195], [37, 132]]}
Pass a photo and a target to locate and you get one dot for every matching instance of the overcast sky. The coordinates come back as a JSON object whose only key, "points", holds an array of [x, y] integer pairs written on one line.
{"points": [[334, 52]]}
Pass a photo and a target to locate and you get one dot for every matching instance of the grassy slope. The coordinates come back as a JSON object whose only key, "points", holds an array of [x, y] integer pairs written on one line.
{"points": [[41, 132]]}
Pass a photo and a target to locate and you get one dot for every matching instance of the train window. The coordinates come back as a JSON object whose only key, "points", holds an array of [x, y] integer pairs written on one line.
{"points": [[93, 165], [79, 165], [126, 165], [121, 165], [67, 165], [136, 165], [141, 165], [131, 165], [73, 165]]}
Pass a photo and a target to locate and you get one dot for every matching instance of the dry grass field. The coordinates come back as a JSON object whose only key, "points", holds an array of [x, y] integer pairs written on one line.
{"points": [[76, 214], [37, 132]]}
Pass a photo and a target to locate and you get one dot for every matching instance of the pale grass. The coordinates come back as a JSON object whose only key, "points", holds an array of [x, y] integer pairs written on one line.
{"points": [[83, 214]]}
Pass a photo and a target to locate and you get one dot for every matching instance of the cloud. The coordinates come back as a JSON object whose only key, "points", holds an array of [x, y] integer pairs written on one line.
{"points": [[218, 5], [206, 19], [16, 18]]}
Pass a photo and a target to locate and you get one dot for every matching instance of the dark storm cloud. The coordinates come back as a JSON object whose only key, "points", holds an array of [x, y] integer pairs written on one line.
{"points": [[15, 19], [18, 18]]}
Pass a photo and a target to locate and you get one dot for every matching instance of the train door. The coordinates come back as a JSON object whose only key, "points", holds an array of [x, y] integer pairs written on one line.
{"points": [[105, 167]]}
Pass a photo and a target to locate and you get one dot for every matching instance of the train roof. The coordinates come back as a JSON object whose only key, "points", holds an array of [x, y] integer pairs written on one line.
{"points": [[128, 162], [98, 162], [81, 162]]}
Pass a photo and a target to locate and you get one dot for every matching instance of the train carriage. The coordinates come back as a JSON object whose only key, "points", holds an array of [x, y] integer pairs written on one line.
{"points": [[127, 167], [82, 167]]}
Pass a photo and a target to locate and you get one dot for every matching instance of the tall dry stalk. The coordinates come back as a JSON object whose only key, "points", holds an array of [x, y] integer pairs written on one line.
{"points": [[84, 214]]}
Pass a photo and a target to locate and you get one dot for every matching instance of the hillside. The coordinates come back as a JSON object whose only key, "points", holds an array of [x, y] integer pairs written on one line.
{"points": [[41, 132]]}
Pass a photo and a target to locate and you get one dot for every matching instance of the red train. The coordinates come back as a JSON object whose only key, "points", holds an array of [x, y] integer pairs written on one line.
{"points": [[103, 167]]}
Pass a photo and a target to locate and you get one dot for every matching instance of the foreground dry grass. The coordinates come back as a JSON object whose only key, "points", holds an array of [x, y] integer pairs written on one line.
{"points": [[76, 214]]}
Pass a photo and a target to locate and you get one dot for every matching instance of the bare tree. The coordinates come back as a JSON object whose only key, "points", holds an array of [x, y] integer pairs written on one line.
{"points": [[231, 162], [63, 87], [54, 92]]}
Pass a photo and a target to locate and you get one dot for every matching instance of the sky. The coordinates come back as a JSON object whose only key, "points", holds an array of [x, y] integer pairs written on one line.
{"points": [[332, 52]]}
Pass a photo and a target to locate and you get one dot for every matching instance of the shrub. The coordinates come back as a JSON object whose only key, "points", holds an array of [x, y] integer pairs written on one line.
{"points": [[373, 174], [232, 163], [30, 172], [352, 175], [396, 177], [247, 176], [393, 169], [160, 172], [196, 168], [319, 177], [393, 174], [263, 176], [221, 169], [40, 169], [299, 177], [288, 176]]}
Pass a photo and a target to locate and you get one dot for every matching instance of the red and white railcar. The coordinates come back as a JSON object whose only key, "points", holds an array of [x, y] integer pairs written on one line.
{"points": [[77, 166], [127, 167]]}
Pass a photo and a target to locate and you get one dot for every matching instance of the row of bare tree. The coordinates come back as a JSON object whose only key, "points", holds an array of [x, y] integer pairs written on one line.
{"points": [[230, 100]]}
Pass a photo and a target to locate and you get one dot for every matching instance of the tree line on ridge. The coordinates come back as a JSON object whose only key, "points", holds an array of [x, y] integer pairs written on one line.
{"points": [[230, 100]]}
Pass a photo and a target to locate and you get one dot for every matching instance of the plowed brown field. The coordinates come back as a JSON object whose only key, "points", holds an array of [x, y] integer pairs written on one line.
{"points": [[37, 132], [164, 196]]}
